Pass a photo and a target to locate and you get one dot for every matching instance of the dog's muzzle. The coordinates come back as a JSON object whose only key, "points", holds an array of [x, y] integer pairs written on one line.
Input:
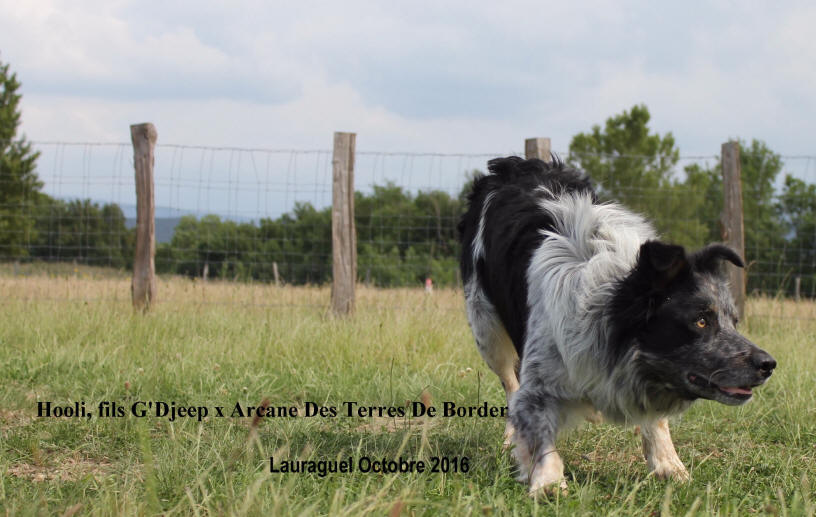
{"points": [[733, 384]]}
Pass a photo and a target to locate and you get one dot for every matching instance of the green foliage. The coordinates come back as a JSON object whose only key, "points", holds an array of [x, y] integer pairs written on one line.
{"points": [[624, 157], [401, 239], [797, 213], [82, 231], [774, 224], [35, 226], [223, 248], [19, 185], [765, 239], [635, 167]]}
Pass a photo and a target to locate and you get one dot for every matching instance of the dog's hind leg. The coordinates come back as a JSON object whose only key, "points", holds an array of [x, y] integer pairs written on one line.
{"points": [[504, 362], [509, 380], [659, 451], [494, 345]]}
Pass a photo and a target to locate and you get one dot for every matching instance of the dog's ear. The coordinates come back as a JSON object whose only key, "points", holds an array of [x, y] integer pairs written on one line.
{"points": [[710, 258], [661, 262]]}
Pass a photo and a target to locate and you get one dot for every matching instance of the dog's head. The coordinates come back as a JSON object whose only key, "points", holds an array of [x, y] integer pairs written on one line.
{"points": [[681, 319]]}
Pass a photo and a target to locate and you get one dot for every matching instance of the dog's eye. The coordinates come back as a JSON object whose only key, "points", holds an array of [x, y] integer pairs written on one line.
{"points": [[701, 323]]}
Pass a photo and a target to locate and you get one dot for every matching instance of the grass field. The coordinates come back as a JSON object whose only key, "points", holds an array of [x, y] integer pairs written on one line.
{"points": [[72, 336]]}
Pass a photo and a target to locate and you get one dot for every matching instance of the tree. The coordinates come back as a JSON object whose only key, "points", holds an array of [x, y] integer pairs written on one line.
{"points": [[82, 231], [624, 157], [764, 218], [403, 238], [797, 211], [19, 185], [764, 236], [631, 165]]}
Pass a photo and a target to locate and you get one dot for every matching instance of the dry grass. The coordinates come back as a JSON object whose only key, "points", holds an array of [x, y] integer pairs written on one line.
{"points": [[66, 469], [174, 292], [87, 284]]}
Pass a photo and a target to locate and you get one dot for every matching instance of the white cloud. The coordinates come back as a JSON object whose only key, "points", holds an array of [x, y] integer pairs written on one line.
{"points": [[422, 76]]}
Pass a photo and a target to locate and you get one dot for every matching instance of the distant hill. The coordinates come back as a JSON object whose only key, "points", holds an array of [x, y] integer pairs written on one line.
{"points": [[165, 226], [162, 212], [167, 219]]}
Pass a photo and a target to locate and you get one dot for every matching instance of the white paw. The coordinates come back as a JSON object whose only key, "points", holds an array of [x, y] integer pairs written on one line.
{"points": [[549, 489], [671, 469], [548, 475]]}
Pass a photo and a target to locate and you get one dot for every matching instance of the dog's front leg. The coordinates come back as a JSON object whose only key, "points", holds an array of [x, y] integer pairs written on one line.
{"points": [[659, 451], [535, 417]]}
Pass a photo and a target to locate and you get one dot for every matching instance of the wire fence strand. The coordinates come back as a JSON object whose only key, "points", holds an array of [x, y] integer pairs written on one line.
{"points": [[262, 215]]}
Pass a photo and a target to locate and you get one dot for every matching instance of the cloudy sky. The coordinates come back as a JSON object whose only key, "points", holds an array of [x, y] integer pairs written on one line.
{"points": [[418, 76], [463, 77]]}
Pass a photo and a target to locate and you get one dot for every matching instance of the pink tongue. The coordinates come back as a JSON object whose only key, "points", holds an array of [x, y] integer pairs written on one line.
{"points": [[735, 390]]}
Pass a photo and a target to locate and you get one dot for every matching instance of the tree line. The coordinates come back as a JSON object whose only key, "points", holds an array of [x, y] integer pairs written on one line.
{"points": [[404, 237]]}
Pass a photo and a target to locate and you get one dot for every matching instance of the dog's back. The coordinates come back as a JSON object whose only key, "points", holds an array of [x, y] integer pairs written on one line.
{"points": [[512, 211], [540, 260]]}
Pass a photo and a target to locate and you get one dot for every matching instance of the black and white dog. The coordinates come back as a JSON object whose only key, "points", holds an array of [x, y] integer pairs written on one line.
{"points": [[579, 309]]}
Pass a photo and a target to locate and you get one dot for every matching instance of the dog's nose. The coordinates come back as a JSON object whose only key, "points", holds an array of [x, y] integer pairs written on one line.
{"points": [[764, 363]]}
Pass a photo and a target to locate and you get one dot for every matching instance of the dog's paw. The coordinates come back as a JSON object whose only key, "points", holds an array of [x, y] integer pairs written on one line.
{"points": [[548, 475], [549, 489], [674, 470], [594, 417]]}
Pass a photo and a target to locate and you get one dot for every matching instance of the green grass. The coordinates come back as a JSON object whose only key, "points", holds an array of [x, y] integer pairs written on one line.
{"points": [[73, 337]]}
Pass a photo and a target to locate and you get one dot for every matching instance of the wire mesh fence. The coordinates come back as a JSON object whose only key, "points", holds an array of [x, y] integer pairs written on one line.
{"points": [[264, 215]]}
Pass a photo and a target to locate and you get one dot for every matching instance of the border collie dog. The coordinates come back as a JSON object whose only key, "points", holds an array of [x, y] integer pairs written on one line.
{"points": [[580, 310]]}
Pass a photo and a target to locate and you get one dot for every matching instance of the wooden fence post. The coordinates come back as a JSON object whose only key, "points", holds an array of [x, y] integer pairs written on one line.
{"points": [[538, 148], [344, 234], [733, 231], [143, 286]]}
